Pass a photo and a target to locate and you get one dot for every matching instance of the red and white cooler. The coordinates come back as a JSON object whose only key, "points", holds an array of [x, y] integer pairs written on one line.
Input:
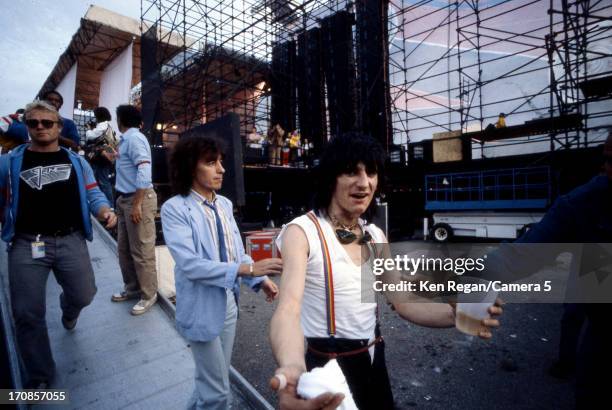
{"points": [[261, 244]]}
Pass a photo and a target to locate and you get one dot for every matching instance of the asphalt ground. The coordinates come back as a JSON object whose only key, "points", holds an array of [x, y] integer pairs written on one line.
{"points": [[439, 368]]}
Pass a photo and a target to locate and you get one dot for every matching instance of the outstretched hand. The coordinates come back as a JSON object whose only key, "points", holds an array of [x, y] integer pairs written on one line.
{"points": [[495, 310], [285, 383]]}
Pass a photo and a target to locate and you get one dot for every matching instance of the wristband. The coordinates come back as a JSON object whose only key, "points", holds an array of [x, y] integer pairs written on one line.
{"points": [[251, 269]]}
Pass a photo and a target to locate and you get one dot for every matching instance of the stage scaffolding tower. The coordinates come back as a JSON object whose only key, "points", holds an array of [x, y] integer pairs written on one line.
{"points": [[215, 56], [452, 66], [579, 53], [457, 65]]}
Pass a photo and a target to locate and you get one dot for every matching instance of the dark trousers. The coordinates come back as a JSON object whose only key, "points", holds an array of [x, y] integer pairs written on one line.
{"points": [[368, 381], [572, 321], [594, 359], [68, 257], [102, 172]]}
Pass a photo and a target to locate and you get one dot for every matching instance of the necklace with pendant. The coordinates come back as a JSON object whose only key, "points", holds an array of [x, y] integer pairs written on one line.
{"points": [[345, 233]]}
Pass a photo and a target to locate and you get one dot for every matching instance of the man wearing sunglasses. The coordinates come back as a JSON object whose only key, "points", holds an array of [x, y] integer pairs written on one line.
{"points": [[69, 136], [47, 195]]}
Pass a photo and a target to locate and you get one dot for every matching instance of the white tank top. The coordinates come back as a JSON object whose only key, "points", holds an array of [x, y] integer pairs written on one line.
{"points": [[354, 319]]}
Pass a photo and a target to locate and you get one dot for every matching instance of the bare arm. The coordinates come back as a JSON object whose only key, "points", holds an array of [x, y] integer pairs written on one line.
{"points": [[418, 310], [286, 333], [414, 308], [426, 313]]}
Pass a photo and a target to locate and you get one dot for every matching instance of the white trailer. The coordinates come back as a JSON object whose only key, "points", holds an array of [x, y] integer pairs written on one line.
{"points": [[498, 225]]}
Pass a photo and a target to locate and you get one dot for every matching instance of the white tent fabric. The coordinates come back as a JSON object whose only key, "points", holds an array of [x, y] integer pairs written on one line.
{"points": [[67, 89], [116, 82]]}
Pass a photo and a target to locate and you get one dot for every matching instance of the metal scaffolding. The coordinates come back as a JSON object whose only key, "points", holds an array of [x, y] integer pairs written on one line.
{"points": [[457, 65], [452, 65], [580, 67], [224, 61]]}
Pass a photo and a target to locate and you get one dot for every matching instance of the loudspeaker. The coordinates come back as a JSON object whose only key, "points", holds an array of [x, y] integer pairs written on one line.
{"points": [[151, 84], [311, 95], [381, 218], [226, 130], [373, 60], [282, 80], [340, 72], [159, 165]]}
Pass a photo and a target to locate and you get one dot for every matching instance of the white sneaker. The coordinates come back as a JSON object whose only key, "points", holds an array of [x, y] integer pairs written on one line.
{"points": [[125, 295], [143, 305]]}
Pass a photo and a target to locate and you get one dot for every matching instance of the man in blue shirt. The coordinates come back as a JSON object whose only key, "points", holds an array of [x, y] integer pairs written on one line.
{"points": [[136, 209], [69, 137]]}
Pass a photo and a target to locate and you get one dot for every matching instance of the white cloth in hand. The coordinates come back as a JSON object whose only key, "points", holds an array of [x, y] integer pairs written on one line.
{"points": [[328, 378]]}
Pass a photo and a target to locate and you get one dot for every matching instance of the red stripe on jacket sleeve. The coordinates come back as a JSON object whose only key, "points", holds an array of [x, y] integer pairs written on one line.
{"points": [[92, 185]]}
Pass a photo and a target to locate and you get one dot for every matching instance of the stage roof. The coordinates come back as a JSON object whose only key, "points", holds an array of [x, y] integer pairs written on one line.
{"points": [[101, 37]]}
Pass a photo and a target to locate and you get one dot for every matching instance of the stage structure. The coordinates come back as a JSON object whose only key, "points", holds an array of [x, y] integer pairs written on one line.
{"points": [[312, 66], [581, 66], [456, 67], [401, 70]]}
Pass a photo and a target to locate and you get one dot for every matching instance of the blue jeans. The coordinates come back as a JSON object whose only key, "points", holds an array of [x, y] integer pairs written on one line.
{"points": [[102, 174], [212, 362], [68, 257]]}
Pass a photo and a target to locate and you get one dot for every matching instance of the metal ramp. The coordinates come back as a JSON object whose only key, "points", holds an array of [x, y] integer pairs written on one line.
{"points": [[113, 360]]}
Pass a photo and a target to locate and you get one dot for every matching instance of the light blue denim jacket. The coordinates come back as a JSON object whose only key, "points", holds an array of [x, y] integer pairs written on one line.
{"points": [[92, 199], [201, 278]]}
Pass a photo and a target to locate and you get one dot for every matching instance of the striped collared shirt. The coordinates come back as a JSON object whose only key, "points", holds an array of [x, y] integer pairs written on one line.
{"points": [[209, 215]]}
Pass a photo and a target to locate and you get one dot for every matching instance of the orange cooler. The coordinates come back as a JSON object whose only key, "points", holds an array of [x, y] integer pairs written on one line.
{"points": [[260, 244]]}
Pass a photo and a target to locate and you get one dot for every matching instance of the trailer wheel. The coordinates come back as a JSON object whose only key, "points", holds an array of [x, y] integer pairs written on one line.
{"points": [[441, 232]]}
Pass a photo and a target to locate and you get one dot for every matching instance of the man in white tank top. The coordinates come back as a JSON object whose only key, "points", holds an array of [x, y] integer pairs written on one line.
{"points": [[320, 297]]}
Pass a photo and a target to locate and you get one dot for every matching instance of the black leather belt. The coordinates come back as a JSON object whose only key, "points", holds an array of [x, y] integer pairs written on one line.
{"points": [[125, 195], [59, 232]]}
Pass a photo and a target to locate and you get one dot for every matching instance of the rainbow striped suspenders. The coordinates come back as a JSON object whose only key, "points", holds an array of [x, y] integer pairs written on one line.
{"points": [[328, 276]]}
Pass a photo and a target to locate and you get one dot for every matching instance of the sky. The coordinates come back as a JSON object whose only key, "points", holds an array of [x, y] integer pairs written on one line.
{"points": [[34, 34]]}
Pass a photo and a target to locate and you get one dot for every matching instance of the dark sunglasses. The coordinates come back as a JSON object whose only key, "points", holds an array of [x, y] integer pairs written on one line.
{"points": [[45, 123]]}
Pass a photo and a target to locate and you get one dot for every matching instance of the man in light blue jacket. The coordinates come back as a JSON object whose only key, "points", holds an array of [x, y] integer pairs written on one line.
{"points": [[203, 238]]}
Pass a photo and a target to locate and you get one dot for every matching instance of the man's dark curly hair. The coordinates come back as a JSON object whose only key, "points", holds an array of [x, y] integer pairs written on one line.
{"points": [[102, 114], [184, 159], [341, 156], [128, 116]]}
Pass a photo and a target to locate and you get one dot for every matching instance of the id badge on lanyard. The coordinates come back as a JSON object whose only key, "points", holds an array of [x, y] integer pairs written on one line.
{"points": [[38, 248]]}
